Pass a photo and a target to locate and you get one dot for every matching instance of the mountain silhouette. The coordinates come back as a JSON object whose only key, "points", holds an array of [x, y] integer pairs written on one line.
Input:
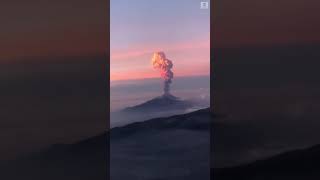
{"points": [[169, 148], [165, 102], [162, 106], [180, 140], [293, 165], [79, 161]]}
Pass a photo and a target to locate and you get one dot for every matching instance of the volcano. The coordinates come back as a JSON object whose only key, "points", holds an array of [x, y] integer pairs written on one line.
{"points": [[161, 106], [166, 102]]}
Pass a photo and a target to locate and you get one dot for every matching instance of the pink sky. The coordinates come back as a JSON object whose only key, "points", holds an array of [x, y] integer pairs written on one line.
{"points": [[140, 28], [189, 58]]}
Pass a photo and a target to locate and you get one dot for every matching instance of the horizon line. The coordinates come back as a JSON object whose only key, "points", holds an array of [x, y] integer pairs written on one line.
{"points": [[149, 78]]}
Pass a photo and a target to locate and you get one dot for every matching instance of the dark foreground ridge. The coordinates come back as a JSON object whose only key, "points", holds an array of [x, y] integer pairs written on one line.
{"points": [[198, 120], [88, 159], [172, 148], [80, 161], [301, 164], [182, 141]]}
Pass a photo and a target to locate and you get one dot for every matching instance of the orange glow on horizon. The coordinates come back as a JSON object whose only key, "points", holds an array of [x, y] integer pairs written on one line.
{"points": [[132, 75]]}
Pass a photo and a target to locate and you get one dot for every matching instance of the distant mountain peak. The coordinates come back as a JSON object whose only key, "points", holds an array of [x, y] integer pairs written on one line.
{"points": [[169, 96], [161, 103]]}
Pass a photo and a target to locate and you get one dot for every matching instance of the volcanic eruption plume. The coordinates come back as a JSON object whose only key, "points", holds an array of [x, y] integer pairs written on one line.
{"points": [[160, 62]]}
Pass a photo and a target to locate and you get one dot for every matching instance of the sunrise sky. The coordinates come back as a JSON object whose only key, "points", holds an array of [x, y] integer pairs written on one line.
{"points": [[49, 28], [139, 28]]}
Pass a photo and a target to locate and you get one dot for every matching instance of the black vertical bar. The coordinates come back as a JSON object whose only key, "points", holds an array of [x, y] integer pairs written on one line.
{"points": [[107, 70]]}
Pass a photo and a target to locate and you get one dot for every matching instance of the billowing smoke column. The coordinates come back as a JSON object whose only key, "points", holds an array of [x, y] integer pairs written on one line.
{"points": [[159, 61]]}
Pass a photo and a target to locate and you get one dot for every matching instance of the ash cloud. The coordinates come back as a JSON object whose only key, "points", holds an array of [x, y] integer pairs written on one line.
{"points": [[164, 65]]}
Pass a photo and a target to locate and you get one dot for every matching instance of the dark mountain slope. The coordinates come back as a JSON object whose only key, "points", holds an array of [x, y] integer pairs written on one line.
{"points": [[178, 143], [301, 164], [82, 161], [176, 147]]}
